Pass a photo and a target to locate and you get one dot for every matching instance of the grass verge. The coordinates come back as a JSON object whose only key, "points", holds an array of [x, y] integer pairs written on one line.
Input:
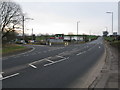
{"points": [[10, 48]]}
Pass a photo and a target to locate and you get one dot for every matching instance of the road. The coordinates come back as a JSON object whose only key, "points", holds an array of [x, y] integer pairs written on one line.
{"points": [[51, 67]]}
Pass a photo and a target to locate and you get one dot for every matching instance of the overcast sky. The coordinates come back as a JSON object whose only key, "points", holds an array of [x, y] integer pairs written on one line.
{"points": [[61, 17]]}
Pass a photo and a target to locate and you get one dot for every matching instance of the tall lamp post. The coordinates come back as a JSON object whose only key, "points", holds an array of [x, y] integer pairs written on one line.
{"points": [[77, 30], [23, 19], [112, 20]]}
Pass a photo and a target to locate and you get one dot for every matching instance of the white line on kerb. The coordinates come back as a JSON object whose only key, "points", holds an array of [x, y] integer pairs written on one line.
{"points": [[9, 76], [32, 66]]}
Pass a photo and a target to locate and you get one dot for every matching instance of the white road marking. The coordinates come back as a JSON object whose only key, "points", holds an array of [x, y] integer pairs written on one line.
{"points": [[99, 47], [9, 76], [1, 76], [1, 72], [32, 66], [79, 53], [84, 52], [49, 60], [37, 61], [4, 58], [56, 62], [60, 56]]}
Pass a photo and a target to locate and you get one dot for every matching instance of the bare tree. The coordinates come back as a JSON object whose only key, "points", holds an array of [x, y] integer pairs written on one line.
{"points": [[10, 15]]}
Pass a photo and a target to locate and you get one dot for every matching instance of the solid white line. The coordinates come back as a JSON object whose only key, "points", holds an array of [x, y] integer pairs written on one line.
{"points": [[9, 76], [32, 66]]}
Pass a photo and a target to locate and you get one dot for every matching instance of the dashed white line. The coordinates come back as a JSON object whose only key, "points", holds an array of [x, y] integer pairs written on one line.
{"points": [[9, 76], [78, 53], [60, 56], [32, 66]]}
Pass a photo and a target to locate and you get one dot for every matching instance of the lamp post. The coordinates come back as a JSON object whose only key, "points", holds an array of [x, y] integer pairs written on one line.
{"points": [[77, 30], [112, 20]]}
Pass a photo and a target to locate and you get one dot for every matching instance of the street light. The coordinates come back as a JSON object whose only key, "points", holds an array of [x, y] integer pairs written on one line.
{"points": [[23, 24], [77, 29], [112, 19]]}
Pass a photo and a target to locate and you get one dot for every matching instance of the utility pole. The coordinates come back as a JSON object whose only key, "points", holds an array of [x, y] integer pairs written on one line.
{"points": [[23, 27], [23, 19]]}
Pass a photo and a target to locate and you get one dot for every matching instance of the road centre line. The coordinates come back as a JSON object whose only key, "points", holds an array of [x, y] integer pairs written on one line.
{"points": [[9, 76]]}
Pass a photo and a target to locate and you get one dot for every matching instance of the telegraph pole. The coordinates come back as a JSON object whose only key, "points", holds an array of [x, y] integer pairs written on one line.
{"points": [[23, 28]]}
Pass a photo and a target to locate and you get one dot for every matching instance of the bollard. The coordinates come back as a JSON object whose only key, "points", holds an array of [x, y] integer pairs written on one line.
{"points": [[50, 44]]}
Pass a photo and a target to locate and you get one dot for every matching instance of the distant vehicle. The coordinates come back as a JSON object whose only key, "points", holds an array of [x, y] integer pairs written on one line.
{"points": [[21, 42], [31, 41]]}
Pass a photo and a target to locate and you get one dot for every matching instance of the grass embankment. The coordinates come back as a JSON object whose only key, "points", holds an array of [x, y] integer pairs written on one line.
{"points": [[10, 48], [113, 42]]}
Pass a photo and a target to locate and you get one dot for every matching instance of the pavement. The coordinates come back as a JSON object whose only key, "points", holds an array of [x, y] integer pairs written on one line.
{"points": [[54, 67], [109, 76]]}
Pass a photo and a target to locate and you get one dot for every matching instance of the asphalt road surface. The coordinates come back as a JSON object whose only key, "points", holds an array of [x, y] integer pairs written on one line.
{"points": [[50, 67]]}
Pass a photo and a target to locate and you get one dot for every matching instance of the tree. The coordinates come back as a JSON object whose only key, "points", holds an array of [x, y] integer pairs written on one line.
{"points": [[10, 15]]}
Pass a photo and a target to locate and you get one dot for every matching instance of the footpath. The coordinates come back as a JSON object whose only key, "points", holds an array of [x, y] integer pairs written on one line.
{"points": [[109, 76]]}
